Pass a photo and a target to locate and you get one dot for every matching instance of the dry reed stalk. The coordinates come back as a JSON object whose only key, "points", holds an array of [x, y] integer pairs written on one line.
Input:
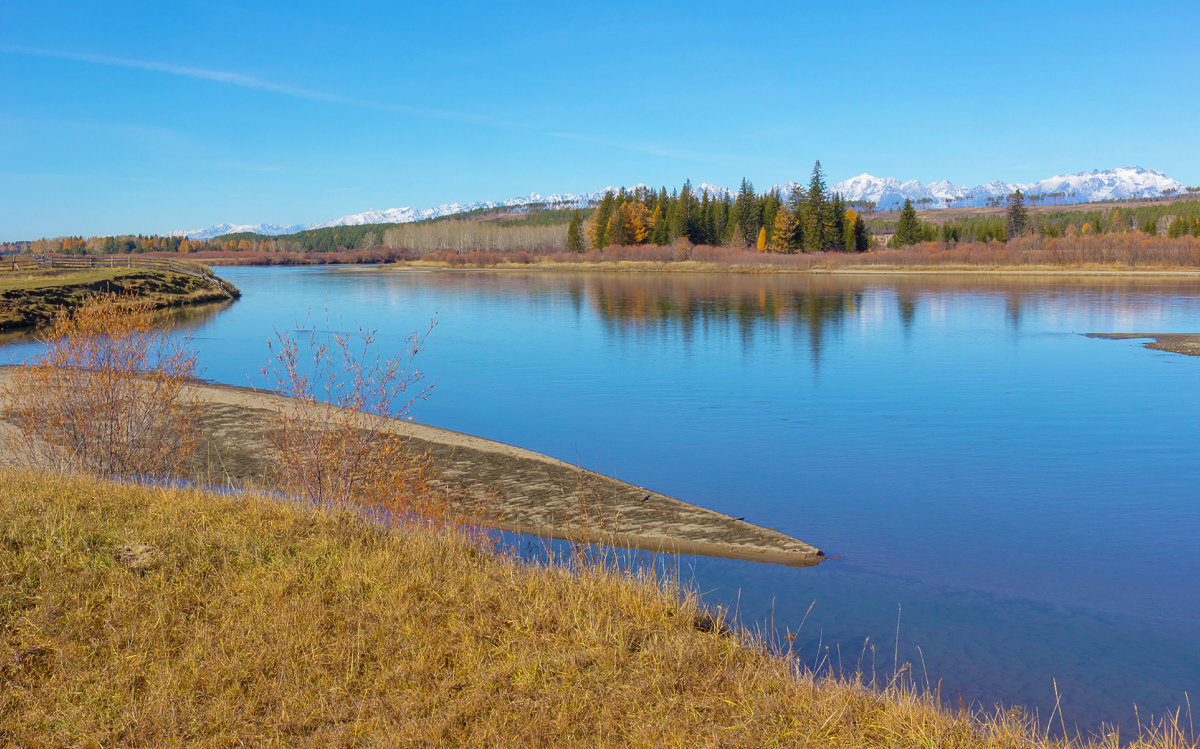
{"points": [[106, 395], [335, 445]]}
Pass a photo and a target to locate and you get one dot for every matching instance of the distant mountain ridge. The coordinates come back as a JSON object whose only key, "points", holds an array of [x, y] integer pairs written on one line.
{"points": [[1065, 189], [886, 193]]}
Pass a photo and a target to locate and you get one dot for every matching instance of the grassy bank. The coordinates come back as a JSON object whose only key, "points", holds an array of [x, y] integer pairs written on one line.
{"points": [[32, 297], [147, 616]]}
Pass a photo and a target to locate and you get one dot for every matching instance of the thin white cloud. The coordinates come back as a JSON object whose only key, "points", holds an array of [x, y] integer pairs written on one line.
{"points": [[259, 84], [652, 149]]}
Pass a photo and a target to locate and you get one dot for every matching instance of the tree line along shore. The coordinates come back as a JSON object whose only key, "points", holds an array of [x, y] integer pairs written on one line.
{"points": [[806, 221]]}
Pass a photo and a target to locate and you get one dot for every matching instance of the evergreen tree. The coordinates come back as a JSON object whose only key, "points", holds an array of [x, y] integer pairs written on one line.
{"points": [[813, 216], [600, 221], [1016, 221], [725, 225], [744, 215], [796, 198], [862, 238], [950, 233], [908, 228], [835, 225], [770, 207], [682, 221], [660, 234], [575, 233]]}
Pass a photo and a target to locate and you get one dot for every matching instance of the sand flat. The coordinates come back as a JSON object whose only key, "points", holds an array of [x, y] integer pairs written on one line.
{"points": [[1179, 343], [531, 493]]}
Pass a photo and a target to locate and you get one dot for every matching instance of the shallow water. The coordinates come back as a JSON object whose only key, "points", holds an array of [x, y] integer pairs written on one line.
{"points": [[1020, 498]]}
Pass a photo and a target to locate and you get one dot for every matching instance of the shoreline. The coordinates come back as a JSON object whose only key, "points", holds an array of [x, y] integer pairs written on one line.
{"points": [[1187, 344], [532, 493], [689, 266], [27, 303]]}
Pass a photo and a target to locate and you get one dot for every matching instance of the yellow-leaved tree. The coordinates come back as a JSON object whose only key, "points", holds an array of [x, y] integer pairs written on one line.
{"points": [[637, 221], [783, 237]]}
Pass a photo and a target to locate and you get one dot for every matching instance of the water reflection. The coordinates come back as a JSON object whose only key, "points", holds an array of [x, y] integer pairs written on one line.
{"points": [[748, 307], [184, 320], [817, 308]]}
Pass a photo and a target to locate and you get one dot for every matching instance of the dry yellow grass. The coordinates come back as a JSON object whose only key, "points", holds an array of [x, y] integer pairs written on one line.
{"points": [[154, 617]]}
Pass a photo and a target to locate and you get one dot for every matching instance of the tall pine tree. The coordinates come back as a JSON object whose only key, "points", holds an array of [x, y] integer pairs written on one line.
{"points": [[862, 238], [1016, 220], [770, 207], [599, 228], [744, 215], [813, 214], [683, 222], [575, 232], [908, 228], [835, 225]]}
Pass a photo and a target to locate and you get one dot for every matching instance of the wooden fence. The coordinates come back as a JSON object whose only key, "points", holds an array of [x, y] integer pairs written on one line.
{"points": [[46, 262]]}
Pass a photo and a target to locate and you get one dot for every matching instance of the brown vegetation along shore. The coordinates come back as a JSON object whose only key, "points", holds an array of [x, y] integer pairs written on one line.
{"points": [[1117, 253], [509, 488], [33, 297], [1121, 252], [158, 617]]}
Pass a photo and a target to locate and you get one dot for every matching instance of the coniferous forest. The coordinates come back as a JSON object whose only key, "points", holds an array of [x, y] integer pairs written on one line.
{"points": [[806, 220]]}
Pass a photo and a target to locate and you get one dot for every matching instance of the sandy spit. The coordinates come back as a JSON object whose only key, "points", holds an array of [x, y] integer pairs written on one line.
{"points": [[528, 492]]}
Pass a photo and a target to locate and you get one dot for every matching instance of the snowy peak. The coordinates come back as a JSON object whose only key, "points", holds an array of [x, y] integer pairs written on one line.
{"points": [[713, 191], [1064, 189], [886, 193]]}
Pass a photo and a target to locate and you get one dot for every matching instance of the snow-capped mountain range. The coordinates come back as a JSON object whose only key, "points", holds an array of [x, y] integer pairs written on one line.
{"points": [[886, 193], [1063, 189]]}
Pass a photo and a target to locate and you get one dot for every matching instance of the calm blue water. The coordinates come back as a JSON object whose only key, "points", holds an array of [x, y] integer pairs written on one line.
{"points": [[1022, 498]]}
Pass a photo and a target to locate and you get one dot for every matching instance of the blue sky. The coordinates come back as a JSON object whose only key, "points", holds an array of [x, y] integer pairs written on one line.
{"points": [[151, 116]]}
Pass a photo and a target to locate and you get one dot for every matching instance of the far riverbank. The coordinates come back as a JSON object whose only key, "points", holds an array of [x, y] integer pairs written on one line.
{"points": [[33, 296]]}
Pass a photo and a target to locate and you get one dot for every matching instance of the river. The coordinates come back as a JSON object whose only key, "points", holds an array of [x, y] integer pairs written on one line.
{"points": [[1007, 505]]}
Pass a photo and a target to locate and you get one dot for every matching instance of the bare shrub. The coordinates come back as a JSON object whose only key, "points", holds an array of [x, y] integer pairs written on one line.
{"points": [[683, 249], [475, 236], [337, 442], [107, 394]]}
